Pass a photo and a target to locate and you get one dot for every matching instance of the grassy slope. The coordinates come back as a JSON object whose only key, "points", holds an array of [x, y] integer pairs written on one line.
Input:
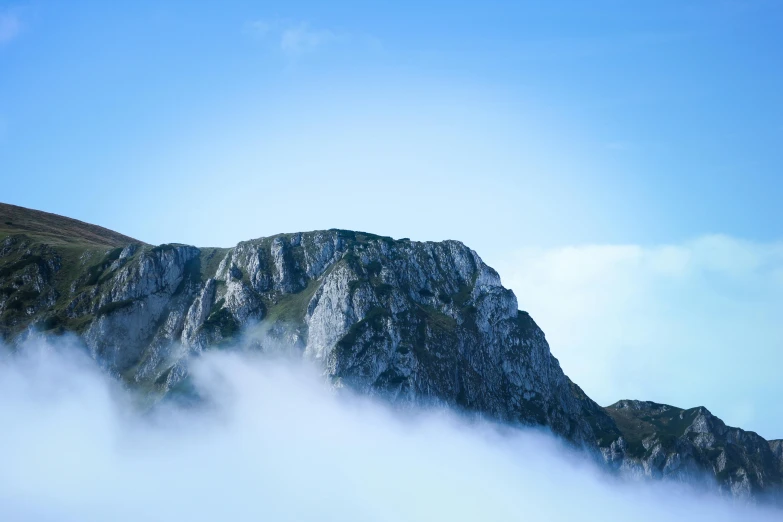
{"points": [[57, 230], [80, 247]]}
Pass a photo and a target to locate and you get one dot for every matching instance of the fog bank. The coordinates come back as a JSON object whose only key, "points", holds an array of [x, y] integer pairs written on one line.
{"points": [[273, 443]]}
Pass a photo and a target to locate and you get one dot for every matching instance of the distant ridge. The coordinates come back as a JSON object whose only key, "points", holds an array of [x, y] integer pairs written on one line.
{"points": [[57, 229]]}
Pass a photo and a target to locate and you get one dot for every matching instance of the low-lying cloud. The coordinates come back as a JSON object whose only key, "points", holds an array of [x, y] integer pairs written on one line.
{"points": [[692, 324], [272, 442]]}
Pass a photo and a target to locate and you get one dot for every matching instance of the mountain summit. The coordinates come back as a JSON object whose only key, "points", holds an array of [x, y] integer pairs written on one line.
{"points": [[411, 322]]}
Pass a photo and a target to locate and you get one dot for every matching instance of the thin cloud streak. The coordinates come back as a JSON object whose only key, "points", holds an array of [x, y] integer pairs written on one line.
{"points": [[294, 39]]}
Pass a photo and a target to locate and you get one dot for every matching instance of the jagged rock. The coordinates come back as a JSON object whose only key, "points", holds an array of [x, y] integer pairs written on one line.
{"points": [[777, 449], [662, 441], [409, 321]]}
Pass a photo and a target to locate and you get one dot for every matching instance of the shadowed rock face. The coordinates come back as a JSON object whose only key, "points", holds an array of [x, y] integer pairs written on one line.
{"points": [[663, 441], [412, 322], [777, 449]]}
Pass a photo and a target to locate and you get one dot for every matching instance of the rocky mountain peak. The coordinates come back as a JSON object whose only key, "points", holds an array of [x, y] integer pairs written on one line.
{"points": [[425, 323]]}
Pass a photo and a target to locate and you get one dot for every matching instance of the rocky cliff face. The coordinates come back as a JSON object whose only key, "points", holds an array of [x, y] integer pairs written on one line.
{"points": [[777, 449], [662, 441], [413, 322]]}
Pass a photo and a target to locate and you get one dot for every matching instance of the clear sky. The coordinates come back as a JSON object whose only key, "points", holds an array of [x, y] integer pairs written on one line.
{"points": [[604, 147]]}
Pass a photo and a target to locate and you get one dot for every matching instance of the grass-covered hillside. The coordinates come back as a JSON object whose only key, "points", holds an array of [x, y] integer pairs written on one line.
{"points": [[57, 230]]}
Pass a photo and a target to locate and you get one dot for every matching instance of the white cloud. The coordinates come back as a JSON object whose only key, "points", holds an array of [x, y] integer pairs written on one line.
{"points": [[301, 38], [294, 38], [10, 26], [272, 444], [699, 323]]}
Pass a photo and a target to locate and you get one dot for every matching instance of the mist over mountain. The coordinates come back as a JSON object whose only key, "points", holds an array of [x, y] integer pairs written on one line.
{"points": [[268, 441], [409, 324]]}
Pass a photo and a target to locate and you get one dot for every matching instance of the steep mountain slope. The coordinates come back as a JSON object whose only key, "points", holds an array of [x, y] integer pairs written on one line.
{"points": [[409, 321]]}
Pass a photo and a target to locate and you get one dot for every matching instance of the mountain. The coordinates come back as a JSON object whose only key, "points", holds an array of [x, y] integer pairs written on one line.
{"points": [[411, 322]]}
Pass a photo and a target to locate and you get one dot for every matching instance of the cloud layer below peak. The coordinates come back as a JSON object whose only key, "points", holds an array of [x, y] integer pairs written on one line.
{"points": [[272, 444]]}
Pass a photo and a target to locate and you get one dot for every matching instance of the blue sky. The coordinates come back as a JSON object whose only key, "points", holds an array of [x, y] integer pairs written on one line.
{"points": [[613, 121], [510, 126]]}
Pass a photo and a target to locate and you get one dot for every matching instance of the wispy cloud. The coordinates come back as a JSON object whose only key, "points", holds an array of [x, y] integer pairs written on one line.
{"points": [[294, 38], [10, 26], [301, 39]]}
